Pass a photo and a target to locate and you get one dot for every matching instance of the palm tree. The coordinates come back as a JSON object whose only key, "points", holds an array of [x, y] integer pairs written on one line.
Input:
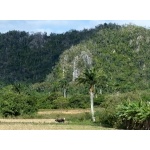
{"points": [[89, 77]]}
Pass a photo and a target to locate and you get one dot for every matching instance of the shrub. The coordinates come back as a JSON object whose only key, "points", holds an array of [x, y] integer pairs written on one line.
{"points": [[99, 100], [60, 102], [42, 102], [79, 101], [13, 104], [30, 105], [145, 95], [118, 98], [45, 100], [106, 117], [54, 96]]}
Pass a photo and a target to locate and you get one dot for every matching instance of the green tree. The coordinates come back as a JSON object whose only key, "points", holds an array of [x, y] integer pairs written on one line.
{"points": [[89, 77]]}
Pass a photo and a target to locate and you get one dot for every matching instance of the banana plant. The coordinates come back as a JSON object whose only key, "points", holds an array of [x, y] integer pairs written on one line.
{"points": [[134, 115]]}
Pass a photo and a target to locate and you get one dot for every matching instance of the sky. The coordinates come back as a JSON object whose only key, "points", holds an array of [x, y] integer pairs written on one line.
{"points": [[60, 26]]}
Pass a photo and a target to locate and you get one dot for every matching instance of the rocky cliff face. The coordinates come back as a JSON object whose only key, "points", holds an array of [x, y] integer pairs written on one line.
{"points": [[74, 61]]}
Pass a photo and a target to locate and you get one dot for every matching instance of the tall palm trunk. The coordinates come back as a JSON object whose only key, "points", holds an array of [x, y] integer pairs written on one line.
{"points": [[92, 103]]}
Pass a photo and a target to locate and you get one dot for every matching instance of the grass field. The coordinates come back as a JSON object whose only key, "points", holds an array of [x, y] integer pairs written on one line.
{"points": [[76, 119]]}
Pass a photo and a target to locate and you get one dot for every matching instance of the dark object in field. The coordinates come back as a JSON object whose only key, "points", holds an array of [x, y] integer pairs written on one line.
{"points": [[60, 120]]}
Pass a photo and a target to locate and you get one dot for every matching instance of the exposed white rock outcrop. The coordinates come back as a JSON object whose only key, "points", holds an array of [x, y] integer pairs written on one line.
{"points": [[84, 59]]}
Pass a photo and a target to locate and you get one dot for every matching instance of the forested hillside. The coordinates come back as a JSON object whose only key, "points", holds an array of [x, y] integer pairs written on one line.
{"points": [[121, 52], [30, 57]]}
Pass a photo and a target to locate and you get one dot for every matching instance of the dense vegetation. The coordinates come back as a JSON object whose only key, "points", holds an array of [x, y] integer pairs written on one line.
{"points": [[16, 102], [122, 53], [129, 110], [30, 57], [42, 70]]}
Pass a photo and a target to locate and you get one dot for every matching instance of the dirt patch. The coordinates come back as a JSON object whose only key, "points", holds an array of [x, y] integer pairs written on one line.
{"points": [[75, 111], [27, 120]]}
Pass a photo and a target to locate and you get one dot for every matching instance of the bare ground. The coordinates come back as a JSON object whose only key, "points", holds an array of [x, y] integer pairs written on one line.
{"points": [[27, 120], [71, 111]]}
